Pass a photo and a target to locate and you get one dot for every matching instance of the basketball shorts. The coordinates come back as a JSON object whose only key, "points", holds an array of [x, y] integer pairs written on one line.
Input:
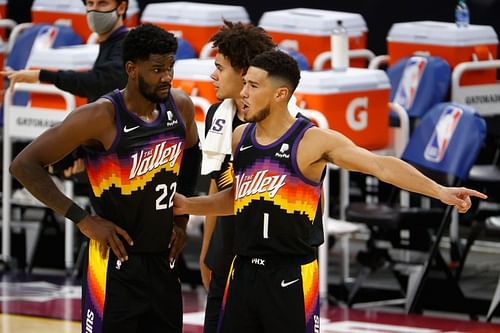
{"points": [[142, 294], [271, 295]]}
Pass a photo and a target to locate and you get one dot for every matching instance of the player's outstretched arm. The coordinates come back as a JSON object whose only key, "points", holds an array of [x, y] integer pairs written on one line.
{"points": [[338, 149]]}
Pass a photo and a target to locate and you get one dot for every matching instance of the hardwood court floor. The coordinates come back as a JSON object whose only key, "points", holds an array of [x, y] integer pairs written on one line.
{"points": [[27, 324], [34, 307]]}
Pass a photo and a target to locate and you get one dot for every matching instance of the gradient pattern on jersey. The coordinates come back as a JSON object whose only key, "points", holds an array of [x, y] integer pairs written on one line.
{"points": [[310, 285], [267, 179], [226, 178], [133, 172], [226, 290], [95, 289]]}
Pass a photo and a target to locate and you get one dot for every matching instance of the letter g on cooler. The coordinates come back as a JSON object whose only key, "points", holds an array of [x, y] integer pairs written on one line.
{"points": [[357, 114]]}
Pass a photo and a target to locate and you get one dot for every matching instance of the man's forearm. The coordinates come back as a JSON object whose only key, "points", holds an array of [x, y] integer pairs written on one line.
{"points": [[37, 180], [408, 178], [218, 204]]}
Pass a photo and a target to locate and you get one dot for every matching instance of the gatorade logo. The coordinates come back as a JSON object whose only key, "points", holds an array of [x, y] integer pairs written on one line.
{"points": [[357, 114]]}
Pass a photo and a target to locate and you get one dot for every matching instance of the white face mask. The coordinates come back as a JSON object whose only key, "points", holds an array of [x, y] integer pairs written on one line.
{"points": [[102, 22]]}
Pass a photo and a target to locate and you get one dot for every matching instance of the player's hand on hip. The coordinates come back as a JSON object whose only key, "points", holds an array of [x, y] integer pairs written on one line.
{"points": [[77, 167], [180, 202], [459, 197], [177, 242], [106, 233]]}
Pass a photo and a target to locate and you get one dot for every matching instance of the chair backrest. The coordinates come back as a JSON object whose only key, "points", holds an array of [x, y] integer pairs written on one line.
{"points": [[419, 82], [447, 140], [42, 36]]}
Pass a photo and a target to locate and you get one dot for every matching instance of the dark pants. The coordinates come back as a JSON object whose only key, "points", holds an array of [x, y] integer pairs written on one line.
{"points": [[214, 302]]}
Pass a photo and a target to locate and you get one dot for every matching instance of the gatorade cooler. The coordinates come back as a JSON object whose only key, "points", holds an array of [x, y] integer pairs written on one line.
{"points": [[309, 30], [76, 58], [355, 103], [3, 14], [3, 51], [3, 8], [446, 40], [195, 22], [193, 76], [49, 11]]}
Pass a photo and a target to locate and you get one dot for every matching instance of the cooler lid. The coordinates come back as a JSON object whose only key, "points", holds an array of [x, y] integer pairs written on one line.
{"points": [[308, 21], [193, 13], [353, 79], [441, 33], [77, 57], [194, 69], [72, 6]]}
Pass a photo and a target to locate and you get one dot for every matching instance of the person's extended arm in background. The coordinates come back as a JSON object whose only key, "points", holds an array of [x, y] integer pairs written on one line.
{"points": [[105, 17]]}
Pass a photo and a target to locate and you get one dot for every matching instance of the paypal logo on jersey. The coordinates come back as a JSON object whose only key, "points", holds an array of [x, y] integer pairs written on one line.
{"points": [[440, 139], [408, 86], [283, 149], [171, 121]]}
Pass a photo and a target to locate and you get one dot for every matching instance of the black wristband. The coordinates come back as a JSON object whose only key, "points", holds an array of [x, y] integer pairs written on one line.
{"points": [[76, 213]]}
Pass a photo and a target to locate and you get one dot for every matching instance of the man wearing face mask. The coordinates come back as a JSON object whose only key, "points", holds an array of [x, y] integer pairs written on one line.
{"points": [[105, 17]]}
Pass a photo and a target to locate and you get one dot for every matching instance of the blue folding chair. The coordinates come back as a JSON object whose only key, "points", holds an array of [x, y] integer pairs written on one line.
{"points": [[444, 146], [419, 82]]}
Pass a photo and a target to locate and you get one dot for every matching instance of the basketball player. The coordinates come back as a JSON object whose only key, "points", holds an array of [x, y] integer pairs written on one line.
{"points": [[236, 44], [135, 140], [278, 165]]}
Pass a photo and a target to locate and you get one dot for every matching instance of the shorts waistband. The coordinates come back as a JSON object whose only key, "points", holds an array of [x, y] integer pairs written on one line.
{"points": [[273, 261]]}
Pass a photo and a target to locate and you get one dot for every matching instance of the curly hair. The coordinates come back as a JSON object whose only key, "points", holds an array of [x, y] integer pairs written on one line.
{"points": [[278, 65], [145, 40], [240, 43]]}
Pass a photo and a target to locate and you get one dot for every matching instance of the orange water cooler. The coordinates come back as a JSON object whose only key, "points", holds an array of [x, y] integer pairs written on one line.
{"points": [[194, 22], [308, 31], [76, 58], [50, 11], [3, 14], [193, 76], [446, 40], [354, 102]]}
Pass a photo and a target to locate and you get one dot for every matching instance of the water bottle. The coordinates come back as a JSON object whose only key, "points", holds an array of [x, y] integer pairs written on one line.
{"points": [[462, 14], [340, 48]]}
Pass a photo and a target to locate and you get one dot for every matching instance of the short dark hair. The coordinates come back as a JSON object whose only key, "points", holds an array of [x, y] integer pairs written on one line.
{"points": [[118, 2], [241, 42], [145, 40], [279, 65]]}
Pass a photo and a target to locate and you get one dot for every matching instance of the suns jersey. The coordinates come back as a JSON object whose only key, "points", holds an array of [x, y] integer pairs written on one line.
{"points": [[275, 205], [134, 182]]}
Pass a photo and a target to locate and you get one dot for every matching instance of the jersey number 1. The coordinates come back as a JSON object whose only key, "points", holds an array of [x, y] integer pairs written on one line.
{"points": [[164, 193], [266, 225]]}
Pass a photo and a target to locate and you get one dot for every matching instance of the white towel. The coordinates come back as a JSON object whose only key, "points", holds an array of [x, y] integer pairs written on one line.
{"points": [[218, 141], [293, 108]]}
